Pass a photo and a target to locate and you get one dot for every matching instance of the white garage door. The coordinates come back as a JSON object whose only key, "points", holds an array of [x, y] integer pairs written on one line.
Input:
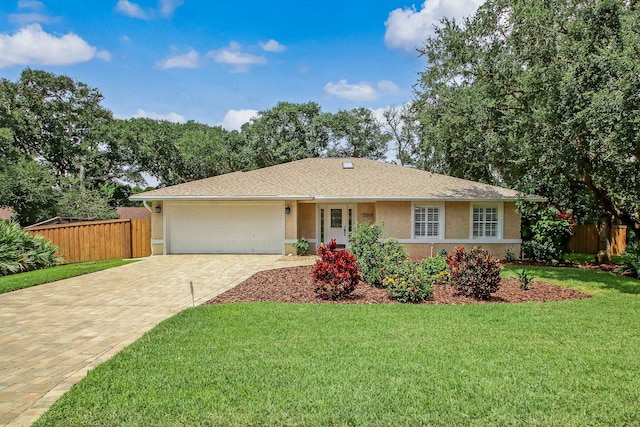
{"points": [[220, 227]]}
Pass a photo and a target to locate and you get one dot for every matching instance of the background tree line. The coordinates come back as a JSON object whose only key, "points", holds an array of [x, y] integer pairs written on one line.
{"points": [[62, 153]]}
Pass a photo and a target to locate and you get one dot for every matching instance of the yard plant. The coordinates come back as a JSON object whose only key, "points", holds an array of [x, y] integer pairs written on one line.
{"points": [[335, 274], [474, 273], [374, 253], [20, 251], [301, 247], [275, 364]]}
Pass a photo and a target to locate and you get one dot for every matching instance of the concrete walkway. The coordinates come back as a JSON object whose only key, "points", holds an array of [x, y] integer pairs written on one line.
{"points": [[51, 335]]}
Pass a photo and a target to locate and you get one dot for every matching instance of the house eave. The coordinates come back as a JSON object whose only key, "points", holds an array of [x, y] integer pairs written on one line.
{"points": [[326, 199], [220, 198]]}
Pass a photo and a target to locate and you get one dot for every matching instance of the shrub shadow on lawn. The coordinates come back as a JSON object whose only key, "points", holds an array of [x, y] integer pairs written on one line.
{"points": [[598, 279]]}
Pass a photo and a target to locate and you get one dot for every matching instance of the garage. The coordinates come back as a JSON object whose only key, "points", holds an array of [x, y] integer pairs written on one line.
{"points": [[225, 227]]}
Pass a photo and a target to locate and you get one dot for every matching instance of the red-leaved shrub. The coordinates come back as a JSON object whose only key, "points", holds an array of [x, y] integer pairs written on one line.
{"points": [[336, 273], [475, 273]]}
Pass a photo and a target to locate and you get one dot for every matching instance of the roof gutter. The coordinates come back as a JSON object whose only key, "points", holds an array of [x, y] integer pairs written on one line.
{"points": [[308, 197]]}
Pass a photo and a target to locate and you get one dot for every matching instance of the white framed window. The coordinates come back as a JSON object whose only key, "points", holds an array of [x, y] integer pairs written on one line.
{"points": [[485, 222], [427, 222]]}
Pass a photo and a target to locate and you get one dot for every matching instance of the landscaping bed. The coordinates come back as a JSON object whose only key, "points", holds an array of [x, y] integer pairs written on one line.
{"points": [[294, 284]]}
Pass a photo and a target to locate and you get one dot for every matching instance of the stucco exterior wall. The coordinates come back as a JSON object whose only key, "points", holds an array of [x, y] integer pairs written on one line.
{"points": [[512, 221], [157, 228], [291, 220], [307, 220], [456, 220], [396, 217], [424, 250], [366, 212], [156, 221]]}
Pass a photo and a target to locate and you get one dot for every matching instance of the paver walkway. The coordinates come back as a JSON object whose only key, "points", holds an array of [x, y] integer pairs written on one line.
{"points": [[51, 335]]}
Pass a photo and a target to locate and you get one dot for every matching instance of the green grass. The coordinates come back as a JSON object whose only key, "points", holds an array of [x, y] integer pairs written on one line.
{"points": [[14, 282], [589, 258], [569, 363]]}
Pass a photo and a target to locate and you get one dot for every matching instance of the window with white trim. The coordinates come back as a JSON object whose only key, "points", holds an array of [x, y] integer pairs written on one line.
{"points": [[426, 221], [485, 222]]}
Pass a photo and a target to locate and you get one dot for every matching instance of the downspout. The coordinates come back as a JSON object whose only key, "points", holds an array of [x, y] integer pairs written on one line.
{"points": [[144, 203]]}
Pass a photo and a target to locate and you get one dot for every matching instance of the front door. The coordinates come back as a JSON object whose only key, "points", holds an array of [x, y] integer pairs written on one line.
{"points": [[337, 224]]}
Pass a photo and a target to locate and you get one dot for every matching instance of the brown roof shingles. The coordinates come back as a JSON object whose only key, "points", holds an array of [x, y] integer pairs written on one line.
{"points": [[325, 178]]}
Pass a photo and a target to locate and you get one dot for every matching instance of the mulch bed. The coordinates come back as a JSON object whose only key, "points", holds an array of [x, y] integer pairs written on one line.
{"points": [[294, 284]]}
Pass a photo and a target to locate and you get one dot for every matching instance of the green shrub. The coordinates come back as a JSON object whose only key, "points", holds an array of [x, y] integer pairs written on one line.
{"points": [[475, 273], [20, 251], [437, 269], [510, 255], [546, 234], [525, 279], [409, 283], [631, 259], [376, 256], [301, 247], [335, 274], [434, 266]]}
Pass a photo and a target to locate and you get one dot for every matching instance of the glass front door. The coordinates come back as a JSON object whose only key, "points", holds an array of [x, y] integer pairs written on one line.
{"points": [[336, 223]]}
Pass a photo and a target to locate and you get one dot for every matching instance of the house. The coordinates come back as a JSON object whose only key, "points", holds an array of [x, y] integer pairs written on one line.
{"points": [[267, 210]]}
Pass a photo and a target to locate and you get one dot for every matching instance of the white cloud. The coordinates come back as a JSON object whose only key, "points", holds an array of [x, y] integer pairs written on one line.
{"points": [[409, 28], [273, 46], [187, 60], [105, 55], [32, 45], [170, 117], [378, 113], [132, 10], [361, 91], [387, 87], [234, 119], [241, 61], [37, 13], [168, 6]]}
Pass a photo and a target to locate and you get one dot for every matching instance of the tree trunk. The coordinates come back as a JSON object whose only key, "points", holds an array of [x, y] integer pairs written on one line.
{"points": [[604, 240]]}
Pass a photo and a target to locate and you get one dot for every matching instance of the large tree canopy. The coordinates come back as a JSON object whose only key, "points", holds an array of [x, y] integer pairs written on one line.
{"points": [[541, 96], [62, 153]]}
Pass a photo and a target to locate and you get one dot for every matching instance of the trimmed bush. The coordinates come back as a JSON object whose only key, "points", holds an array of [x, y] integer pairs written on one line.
{"points": [[409, 283], [546, 234], [434, 266], [475, 273], [375, 255], [301, 247], [335, 274], [20, 251]]}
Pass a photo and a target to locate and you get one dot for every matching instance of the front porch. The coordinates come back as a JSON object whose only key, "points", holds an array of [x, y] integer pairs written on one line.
{"points": [[454, 224]]}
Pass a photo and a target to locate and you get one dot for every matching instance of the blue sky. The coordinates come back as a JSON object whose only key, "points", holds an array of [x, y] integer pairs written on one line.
{"points": [[218, 62]]}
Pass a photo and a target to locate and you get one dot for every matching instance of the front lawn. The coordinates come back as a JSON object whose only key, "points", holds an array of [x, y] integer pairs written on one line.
{"points": [[14, 282], [589, 258], [563, 363]]}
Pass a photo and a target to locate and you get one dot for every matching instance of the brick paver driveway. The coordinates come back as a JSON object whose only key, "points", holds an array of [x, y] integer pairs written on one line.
{"points": [[51, 335]]}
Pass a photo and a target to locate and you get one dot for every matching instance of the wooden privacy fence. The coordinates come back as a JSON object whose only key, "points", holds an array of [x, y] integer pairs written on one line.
{"points": [[99, 240], [585, 239]]}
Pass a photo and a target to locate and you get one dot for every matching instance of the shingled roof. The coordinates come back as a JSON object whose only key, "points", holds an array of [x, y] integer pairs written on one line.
{"points": [[328, 178]]}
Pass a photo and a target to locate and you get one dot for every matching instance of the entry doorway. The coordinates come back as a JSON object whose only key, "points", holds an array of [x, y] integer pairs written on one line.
{"points": [[336, 222]]}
